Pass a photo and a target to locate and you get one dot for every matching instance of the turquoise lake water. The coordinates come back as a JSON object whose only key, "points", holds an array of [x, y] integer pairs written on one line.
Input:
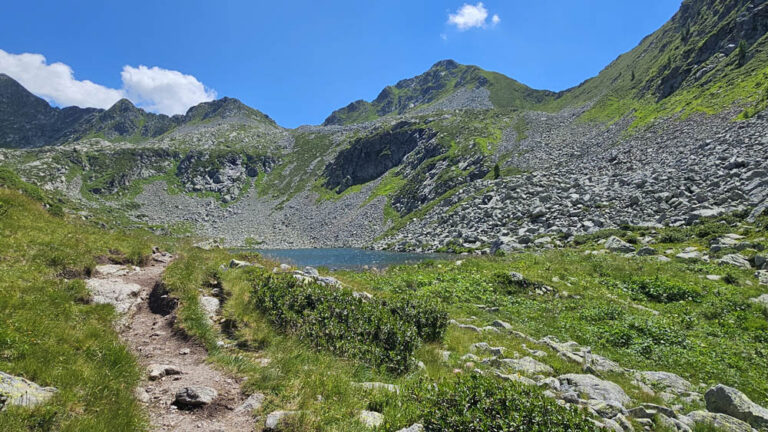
{"points": [[346, 258]]}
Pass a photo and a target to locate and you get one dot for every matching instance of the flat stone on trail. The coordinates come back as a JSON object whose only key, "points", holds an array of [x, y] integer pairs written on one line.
{"points": [[727, 400], [195, 396], [157, 371], [108, 270], [17, 391], [594, 388], [122, 295]]}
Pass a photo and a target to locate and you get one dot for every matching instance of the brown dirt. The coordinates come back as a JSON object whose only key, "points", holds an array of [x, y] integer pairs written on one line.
{"points": [[152, 339]]}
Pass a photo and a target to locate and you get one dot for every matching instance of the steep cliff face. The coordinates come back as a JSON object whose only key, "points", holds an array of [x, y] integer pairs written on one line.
{"points": [[370, 157]]}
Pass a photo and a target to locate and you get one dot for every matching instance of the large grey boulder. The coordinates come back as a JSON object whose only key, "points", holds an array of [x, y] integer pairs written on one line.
{"points": [[722, 422], [594, 388], [727, 400], [665, 381], [735, 260], [17, 391], [615, 244], [195, 397]]}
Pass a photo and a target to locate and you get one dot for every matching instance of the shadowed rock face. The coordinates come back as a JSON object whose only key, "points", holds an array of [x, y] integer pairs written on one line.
{"points": [[369, 158]]}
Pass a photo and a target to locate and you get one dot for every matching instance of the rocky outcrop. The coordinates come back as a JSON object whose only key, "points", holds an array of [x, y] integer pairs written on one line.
{"points": [[594, 388], [17, 391], [368, 158], [727, 400], [224, 173]]}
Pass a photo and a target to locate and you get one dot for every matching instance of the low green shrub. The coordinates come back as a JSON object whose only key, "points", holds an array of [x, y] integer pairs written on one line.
{"points": [[662, 290], [383, 333], [428, 315], [477, 403]]}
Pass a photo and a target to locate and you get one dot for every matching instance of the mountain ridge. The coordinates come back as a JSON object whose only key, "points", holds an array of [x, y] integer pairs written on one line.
{"points": [[28, 121]]}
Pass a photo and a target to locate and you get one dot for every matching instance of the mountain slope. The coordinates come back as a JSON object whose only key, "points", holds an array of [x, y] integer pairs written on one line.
{"points": [[446, 85], [710, 55], [29, 121]]}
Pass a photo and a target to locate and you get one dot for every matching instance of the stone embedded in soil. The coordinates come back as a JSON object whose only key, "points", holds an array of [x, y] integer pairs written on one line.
{"points": [[195, 396]]}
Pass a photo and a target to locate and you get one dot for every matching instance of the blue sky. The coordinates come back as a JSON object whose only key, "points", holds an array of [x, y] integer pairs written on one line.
{"points": [[299, 60]]}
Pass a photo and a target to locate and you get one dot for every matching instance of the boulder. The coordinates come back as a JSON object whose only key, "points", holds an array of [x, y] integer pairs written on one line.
{"points": [[254, 402], [665, 381], [376, 386], [615, 244], [17, 391], [276, 418], [502, 325], [735, 260], [761, 262], [210, 306], [417, 427], [194, 397], [371, 419], [726, 400], [594, 388], [762, 300], [527, 366], [721, 422], [692, 256], [239, 264], [762, 277], [647, 251]]}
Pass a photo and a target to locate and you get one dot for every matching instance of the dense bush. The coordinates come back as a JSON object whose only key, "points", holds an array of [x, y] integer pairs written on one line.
{"points": [[428, 315], [662, 290], [381, 333], [476, 403]]}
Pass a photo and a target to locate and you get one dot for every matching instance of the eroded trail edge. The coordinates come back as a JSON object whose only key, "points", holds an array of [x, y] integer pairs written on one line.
{"points": [[181, 390]]}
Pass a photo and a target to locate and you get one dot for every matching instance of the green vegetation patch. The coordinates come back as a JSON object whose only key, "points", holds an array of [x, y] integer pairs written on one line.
{"points": [[49, 333], [380, 332], [477, 403]]}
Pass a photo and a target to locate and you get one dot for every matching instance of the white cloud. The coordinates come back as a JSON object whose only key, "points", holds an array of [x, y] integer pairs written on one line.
{"points": [[469, 16], [154, 89], [55, 82], [163, 90]]}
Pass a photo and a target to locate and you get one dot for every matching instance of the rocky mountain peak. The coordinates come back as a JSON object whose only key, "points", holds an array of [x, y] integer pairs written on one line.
{"points": [[226, 109]]}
